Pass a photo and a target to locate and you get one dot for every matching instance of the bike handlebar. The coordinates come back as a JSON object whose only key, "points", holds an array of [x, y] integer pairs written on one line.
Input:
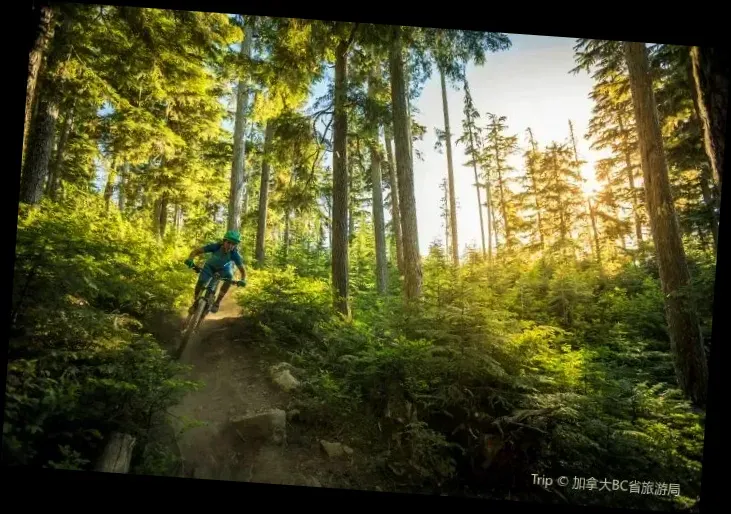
{"points": [[198, 269]]}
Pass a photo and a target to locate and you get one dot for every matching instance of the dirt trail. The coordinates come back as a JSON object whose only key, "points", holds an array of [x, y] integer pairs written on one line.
{"points": [[237, 383]]}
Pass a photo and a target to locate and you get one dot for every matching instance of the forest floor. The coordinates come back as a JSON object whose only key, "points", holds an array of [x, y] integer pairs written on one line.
{"points": [[235, 382]]}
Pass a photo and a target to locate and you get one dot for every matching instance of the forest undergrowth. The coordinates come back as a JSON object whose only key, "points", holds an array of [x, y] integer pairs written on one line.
{"points": [[502, 371]]}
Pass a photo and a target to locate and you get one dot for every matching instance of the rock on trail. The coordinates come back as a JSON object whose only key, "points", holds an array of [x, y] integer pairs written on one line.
{"points": [[270, 425], [282, 376], [236, 426]]}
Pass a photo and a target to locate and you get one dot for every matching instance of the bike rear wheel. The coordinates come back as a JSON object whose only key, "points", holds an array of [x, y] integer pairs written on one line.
{"points": [[191, 326]]}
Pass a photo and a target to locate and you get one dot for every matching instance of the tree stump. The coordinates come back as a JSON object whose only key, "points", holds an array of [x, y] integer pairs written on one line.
{"points": [[117, 454]]}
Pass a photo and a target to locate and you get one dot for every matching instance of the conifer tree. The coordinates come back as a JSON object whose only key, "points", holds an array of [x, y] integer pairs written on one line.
{"points": [[685, 336], [496, 150], [471, 138], [452, 49], [532, 158], [561, 197], [612, 126]]}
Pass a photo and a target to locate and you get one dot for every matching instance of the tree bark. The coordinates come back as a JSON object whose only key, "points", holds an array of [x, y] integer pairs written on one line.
{"points": [[490, 221], [156, 215], [534, 148], [287, 222], [503, 209], [450, 172], [57, 162], [111, 179], [686, 342], [395, 210], [163, 214], [447, 243], [595, 233], [711, 74], [379, 225], [40, 146], [35, 58], [477, 186], [264, 195], [340, 184], [177, 217], [710, 203], [122, 197], [134, 195], [707, 185], [404, 168], [117, 454], [351, 204], [631, 182], [239, 156], [577, 163]]}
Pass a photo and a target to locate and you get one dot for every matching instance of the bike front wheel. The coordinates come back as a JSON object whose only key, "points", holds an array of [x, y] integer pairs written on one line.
{"points": [[191, 326]]}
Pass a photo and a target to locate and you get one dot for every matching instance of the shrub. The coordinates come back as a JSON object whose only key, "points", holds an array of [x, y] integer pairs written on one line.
{"points": [[80, 364]]}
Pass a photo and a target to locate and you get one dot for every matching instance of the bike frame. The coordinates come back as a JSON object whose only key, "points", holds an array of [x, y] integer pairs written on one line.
{"points": [[208, 296]]}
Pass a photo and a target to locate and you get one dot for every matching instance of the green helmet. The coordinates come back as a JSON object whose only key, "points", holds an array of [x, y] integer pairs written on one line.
{"points": [[233, 236]]}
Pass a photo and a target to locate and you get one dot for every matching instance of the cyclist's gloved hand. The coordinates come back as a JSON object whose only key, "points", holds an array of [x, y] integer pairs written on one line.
{"points": [[189, 263]]}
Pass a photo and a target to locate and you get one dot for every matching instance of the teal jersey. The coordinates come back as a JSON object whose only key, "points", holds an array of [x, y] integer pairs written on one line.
{"points": [[219, 259]]}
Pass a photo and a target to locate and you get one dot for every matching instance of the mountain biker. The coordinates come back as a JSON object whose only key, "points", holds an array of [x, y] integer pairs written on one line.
{"points": [[225, 255]]}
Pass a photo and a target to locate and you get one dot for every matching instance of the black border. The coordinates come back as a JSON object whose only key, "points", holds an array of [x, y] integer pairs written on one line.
{"points": [[692, 25]]}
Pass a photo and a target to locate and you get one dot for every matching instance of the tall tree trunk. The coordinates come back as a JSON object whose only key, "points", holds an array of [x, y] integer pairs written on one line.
{"points": [[264, 194], [710, 203], [711, 74], [686, 342], [155, 215], [287, 217], [702, 237], [57, 162], [479, 197], [43, 37], [178, 217], [395, 211], [450, 171], [351, 204], [404, 168], [503, 207], [321, 234], [40, 146], [447, 244], [339, 243], [379, 225], [608, 188], [244, 200], [534, 148], [490, 219], [163, 214], [631, 182], [562, 229], [122, 197], [111, 179], [239, 157], [247, 190], [708, 187], [590, 212], [595, 233], [134, 194]]}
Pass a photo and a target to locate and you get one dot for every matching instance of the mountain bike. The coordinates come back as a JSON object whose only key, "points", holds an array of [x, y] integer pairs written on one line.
{"points": [[201, 308]]}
